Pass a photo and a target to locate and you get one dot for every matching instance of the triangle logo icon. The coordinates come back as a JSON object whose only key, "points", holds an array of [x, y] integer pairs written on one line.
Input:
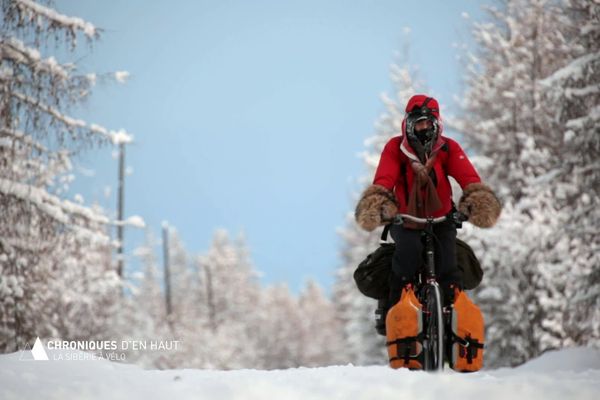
{"points": [[38, 351]]}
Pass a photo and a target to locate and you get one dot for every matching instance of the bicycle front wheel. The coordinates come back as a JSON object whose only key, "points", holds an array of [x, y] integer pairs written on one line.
{"points": [[434, 329]]}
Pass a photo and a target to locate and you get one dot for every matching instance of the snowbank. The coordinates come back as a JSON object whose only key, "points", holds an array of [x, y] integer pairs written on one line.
{"points": [[566, 374]]}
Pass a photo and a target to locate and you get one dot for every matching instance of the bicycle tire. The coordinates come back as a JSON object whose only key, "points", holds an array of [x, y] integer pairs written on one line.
{"points": [[434, 329]]}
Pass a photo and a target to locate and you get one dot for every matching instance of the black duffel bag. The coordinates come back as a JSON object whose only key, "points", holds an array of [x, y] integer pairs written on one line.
{"points": [[373, 274], [468, 264]]}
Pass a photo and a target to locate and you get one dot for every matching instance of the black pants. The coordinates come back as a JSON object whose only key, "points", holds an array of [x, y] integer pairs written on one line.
{"points": [[408, 257]]}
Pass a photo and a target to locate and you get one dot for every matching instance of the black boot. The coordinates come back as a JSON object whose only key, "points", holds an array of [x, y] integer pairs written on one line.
{"points": [[381, 314]]}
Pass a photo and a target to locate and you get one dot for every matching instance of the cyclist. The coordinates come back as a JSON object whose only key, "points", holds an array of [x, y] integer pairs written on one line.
{"points": [[412, 178]]}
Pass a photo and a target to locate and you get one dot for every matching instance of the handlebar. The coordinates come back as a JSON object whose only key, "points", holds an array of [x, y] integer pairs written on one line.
{"points": [[399, 219], [457, 217]]}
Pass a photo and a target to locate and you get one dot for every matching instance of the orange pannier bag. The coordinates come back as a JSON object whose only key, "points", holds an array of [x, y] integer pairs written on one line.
{"points": [[404, 327], [466, 353]]}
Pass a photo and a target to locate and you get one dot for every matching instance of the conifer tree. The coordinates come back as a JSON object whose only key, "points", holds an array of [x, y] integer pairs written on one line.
{"points": [[530, 117], [55, 267], [319, 338]]}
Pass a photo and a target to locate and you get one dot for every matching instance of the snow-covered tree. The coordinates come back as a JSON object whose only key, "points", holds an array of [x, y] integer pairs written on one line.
{"points": [[56, 277], [149, 296], [183, 282], [573, 181], [504, 115], [531, 117], [221, 315], [277, 336], [227, 303], [143, 313], [320, 339]]}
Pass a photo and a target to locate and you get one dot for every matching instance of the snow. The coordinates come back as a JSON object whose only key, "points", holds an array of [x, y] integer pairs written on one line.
{"points": [[135, 220], [121, 76], [26, 52], [509, 95], [574, 69], [121, 136], [72, 122], [566, 374], [116, 137], [569, 136], [17, 51], [63, 20], [546, 177], [92, 78], [579, 123], [49, 204], [21, 136], [582, 92]]}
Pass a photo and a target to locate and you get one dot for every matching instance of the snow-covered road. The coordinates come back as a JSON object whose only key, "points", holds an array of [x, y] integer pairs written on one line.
{"points": [[562, 375]]}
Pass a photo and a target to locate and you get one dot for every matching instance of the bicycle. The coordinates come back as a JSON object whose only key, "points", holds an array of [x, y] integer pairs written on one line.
{"points": [[429, 294]]}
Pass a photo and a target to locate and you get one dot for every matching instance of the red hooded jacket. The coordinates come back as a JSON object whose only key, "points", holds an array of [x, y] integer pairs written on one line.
{"points": [[395, 173]]}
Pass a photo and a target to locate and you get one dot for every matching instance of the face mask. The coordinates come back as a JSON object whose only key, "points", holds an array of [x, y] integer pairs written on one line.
{"points": [[425, 135]]}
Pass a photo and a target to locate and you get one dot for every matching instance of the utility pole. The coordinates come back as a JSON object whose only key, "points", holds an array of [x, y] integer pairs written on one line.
{"points": [[120, 207], [167, 269]]}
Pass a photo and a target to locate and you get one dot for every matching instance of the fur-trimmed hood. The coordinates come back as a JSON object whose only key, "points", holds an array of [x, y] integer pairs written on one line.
{"points": [[414, 102]]}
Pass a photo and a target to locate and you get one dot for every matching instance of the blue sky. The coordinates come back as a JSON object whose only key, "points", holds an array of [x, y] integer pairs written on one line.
{"points": [[249, 115]]}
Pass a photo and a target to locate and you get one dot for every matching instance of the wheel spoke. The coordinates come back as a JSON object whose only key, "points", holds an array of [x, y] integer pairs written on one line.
{"points": [[434, 335]]}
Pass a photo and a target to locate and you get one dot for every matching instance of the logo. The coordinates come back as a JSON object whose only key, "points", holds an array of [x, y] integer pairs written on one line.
{"points": [[111, 350]]}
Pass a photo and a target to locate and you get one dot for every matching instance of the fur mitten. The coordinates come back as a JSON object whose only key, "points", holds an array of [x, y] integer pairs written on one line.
{"points": [[480, 203], [377, 206]]}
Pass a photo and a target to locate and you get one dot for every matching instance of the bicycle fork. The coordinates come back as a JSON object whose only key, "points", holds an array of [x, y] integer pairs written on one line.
{"points": [[435, 358]]}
